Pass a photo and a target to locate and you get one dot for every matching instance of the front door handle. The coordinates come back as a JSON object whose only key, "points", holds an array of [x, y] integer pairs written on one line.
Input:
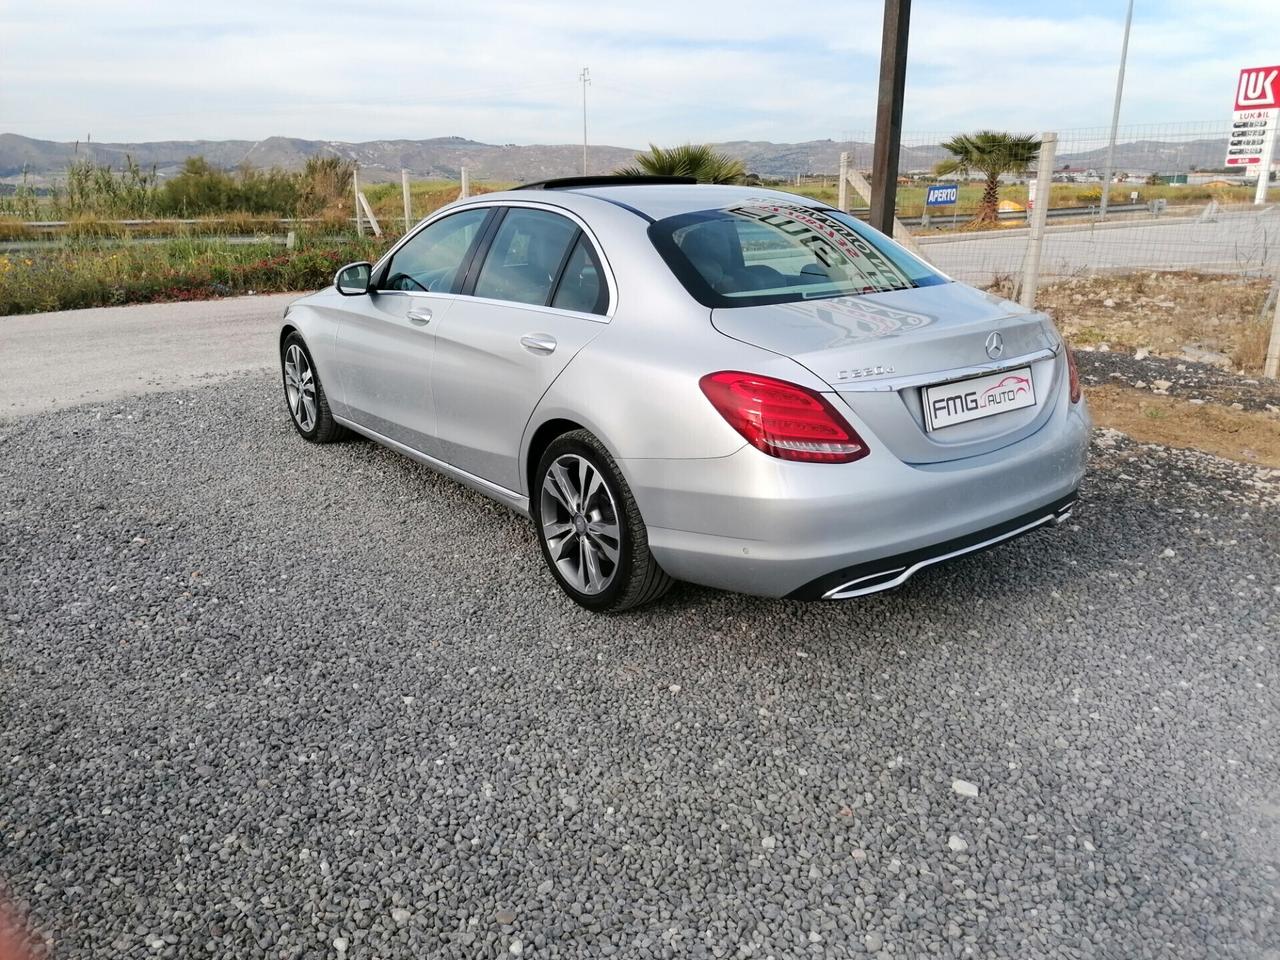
{"points": [[538, 342], [419, 315]]}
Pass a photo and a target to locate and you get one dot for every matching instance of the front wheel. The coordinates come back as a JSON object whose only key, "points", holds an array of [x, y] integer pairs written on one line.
{"points": [[304, 393], [589, 527]]}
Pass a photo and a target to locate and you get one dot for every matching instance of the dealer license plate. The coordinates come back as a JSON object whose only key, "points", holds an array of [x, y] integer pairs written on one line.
{"points": [[960, 401]]}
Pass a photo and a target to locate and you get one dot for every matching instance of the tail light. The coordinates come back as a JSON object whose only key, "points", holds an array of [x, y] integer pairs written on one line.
{"points": [[1073, 375], [783, 419]]}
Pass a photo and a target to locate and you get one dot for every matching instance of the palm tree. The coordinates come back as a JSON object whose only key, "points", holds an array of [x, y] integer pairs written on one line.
{"points": [[691, 160], [991, 154]]}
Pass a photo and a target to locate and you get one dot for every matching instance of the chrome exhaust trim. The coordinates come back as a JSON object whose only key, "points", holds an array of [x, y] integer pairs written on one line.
{"points": [[892, 577]]}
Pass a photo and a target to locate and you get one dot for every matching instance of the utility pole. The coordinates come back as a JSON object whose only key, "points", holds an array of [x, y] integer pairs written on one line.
{"points": [[585, 78], [1264, 167], [1115, 118], [893, 81]]}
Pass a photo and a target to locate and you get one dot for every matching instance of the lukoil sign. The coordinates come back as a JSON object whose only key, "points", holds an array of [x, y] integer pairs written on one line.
{"points": [[1258, 88]]}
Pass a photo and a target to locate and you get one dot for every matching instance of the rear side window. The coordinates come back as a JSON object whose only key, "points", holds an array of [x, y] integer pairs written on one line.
{"points": [[764, 251], [582, 285], [526, 256]]}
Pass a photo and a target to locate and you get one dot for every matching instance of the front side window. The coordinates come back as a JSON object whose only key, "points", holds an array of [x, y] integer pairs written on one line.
{"points": [[526, 256], [764, 251], [431, 261]]}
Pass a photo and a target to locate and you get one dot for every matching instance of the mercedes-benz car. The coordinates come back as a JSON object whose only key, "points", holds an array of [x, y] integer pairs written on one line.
{"points": [[726, 385]]}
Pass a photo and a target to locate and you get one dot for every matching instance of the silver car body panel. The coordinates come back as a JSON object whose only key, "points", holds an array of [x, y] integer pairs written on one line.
{"points": [[719, 512]]}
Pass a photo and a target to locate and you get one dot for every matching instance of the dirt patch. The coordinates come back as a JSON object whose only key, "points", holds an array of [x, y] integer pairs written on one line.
{"points": [[1245, 435], [1187, 381], [1183, 315]]}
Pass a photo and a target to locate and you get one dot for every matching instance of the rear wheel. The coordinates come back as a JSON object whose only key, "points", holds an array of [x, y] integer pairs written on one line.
{"points": [[304, 393], [589, 527]]}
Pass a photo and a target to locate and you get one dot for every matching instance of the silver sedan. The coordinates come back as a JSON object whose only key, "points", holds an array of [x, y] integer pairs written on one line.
{"points": [[727, 385]]}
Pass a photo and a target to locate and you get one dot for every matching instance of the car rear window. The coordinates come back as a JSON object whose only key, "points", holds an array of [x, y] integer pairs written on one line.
{"points": [[764, 251]]}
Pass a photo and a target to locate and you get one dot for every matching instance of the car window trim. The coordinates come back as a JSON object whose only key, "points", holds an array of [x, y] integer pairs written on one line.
{"points": [[611, 284], [564, 263], [476, 264]]}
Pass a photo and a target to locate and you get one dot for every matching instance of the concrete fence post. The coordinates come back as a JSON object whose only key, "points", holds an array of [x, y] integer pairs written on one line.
{"points": [[408, 204], [1039, 214], [363, 201], [355, 186], [466, 185], [900, 231], [1272, 367], [843, 202]]}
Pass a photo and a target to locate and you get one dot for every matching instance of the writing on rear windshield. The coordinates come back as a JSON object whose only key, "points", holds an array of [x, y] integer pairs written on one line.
{"points": [[759, 251], [833, 245]]}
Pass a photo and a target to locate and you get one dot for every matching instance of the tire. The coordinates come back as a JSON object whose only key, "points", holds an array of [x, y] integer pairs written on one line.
{"points": [[304, 394], [578, 534]]}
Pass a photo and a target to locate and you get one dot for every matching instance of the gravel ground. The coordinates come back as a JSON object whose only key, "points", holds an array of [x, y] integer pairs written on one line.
{"points": [[1185, 379], [262, 699]]}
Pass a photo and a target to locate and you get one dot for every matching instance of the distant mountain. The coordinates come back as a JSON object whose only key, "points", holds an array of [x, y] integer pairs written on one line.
{"points": [[1154, 156], [443, 157]]}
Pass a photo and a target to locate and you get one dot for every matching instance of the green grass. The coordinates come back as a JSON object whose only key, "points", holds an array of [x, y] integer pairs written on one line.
{"points": [[100, 263], [429, 195], [90, 275]]}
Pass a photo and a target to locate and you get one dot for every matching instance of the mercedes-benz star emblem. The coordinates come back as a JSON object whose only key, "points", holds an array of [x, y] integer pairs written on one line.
{"points": [[995, 346]]}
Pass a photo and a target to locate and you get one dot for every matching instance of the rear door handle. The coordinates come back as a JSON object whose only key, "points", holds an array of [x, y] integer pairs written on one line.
{"points": [[419, 315], [538, 342]]}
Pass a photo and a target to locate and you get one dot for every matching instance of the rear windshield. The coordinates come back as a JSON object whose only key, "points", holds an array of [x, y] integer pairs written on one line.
{"points": [[768, 252]]}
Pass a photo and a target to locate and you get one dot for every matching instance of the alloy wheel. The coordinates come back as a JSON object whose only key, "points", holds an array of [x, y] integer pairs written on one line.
{"points": [[300, 387], [580, 523]]}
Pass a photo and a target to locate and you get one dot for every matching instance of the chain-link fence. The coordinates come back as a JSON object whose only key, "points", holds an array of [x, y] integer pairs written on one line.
{"points": [[1176, 214]]}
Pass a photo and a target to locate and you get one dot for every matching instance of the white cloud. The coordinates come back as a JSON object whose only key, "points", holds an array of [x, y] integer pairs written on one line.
{"points": [[664, 71]]}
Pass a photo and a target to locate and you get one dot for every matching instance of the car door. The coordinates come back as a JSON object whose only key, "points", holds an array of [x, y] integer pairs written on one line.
{"points": [[385, 340], [536, 295]]}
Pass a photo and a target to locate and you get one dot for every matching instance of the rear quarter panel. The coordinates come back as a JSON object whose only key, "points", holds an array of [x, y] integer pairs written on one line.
{"points": [[636, 385]]}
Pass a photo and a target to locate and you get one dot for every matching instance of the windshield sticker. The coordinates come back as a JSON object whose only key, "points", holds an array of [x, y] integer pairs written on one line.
{"points": [[833, 243]]}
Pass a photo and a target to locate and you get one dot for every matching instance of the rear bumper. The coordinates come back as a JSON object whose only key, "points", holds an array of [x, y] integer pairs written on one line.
{"points": [[754, 524], [892, 572]]}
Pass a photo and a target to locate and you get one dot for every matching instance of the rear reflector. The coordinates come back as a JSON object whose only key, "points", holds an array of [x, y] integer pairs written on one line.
{"points": [[783, 419]]}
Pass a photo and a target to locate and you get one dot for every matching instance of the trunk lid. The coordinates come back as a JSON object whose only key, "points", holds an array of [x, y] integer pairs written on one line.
{"points": [[879, 351]]}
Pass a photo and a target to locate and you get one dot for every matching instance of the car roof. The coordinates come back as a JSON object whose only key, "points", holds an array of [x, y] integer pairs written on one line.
{"points": [[658, 201]]}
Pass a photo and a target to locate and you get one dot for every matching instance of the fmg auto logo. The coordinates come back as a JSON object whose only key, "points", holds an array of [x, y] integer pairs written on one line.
{"points": [[1258, 88]]}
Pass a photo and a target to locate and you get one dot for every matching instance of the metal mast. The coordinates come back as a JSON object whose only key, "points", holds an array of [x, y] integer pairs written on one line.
{"points": [[585, 78], [1107, 170]]}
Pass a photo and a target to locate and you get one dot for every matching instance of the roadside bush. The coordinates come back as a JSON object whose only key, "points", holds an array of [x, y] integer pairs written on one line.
{"points": [[325, 184], [93, 190], [201, 189], [80, 275]]}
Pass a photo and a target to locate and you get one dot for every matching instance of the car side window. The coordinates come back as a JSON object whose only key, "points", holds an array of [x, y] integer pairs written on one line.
{"points": [[582, 285], [525, 256], [432, 260]]}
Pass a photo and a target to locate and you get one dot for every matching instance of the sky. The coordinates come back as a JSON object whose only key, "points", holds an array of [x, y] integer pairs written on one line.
{"points": [[664, 71]]}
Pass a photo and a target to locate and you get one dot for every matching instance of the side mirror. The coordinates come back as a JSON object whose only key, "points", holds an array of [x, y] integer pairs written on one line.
{"points": [[353, 279]]}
